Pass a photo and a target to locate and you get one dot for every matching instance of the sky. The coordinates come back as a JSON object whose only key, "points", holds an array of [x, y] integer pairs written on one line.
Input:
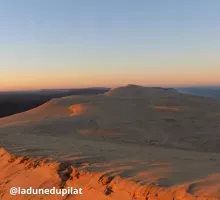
{"points": [[109, 43]]}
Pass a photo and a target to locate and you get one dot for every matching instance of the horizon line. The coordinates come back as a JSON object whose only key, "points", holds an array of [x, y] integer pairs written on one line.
{"points": [[109, 87]]}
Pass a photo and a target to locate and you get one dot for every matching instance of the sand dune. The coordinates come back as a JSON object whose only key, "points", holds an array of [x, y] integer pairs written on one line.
{"points": [[167, 108], [150, 137], [79, 109], [42, 173]]}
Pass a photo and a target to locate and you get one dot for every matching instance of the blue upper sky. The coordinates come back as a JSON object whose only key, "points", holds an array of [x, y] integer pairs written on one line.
{"points": [[74, 43]]}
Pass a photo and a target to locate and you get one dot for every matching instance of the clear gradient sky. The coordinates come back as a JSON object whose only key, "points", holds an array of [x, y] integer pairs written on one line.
{"points": [[81, 43]]}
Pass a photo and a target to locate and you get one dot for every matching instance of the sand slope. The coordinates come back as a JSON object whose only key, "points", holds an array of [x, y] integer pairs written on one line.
{"points": [[15, 171], [152, 136]]}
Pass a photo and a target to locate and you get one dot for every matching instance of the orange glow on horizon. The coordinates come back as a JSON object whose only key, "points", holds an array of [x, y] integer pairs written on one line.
{"points": [[41, 81], [56, 81]]}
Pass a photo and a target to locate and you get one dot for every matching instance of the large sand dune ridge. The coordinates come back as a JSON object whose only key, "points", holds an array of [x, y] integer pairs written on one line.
{"points": [[157, 136]]}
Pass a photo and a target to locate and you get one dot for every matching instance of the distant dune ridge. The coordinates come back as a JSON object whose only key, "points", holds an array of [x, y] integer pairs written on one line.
{"points": [[126, 131], [135, 91]]}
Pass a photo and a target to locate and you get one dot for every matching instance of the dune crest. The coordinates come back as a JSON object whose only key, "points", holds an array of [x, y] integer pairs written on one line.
{"points": [[136, 91]]}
